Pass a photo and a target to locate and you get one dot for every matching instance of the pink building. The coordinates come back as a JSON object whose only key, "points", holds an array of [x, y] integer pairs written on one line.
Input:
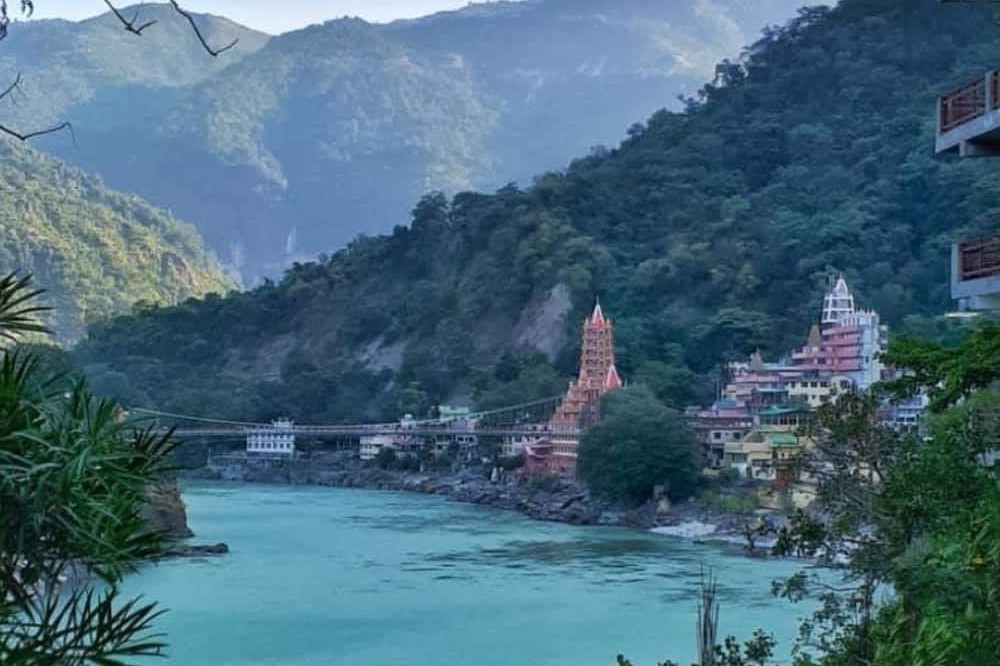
{"points": [[847, 342], [758, 384]]}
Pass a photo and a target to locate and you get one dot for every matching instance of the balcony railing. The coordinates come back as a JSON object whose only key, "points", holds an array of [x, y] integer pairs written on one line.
{"points": [[962, 105], [979, 258]]}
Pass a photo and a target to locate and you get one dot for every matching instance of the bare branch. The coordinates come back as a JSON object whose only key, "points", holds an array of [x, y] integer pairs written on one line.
{"points": [[12, 87], [130, 26], [201, 38], [31, 135]]}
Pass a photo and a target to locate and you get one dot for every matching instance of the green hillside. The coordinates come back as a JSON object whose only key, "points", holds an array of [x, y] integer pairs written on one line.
{"points": [[96, 251], [708, 233]]}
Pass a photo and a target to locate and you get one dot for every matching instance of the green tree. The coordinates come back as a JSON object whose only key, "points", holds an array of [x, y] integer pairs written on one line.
{"points": [[639, 444], [918, 516], [73, 480]]}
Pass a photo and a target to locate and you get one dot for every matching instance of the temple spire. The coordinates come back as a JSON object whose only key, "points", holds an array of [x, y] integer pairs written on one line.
{"points": [[838, 303], [597, 317]]}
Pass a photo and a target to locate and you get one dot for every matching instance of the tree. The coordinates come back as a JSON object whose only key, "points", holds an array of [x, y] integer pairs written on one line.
{"points": [[639, 444], [919, 516], [948, 372], [73, 480]]}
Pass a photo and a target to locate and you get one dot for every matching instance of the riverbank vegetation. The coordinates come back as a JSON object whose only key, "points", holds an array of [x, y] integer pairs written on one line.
{"points": [[638, 445]]}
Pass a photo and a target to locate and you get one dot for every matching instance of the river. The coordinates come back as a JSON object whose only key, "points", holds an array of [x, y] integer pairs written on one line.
{"points": [[329, 577]]}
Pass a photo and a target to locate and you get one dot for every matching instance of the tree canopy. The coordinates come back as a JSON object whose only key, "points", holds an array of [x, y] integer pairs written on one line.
{"points": [[639, 444]]}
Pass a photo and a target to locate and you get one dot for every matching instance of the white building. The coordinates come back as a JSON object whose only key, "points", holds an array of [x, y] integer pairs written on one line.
{"points": [[372, 444], [276, 439]]}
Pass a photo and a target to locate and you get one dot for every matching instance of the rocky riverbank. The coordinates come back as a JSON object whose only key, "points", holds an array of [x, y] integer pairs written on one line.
{"points": [[166, 513], [557, 500]]}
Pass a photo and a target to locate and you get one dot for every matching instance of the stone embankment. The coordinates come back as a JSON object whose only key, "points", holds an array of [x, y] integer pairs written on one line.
{"points": [[550, 499]]}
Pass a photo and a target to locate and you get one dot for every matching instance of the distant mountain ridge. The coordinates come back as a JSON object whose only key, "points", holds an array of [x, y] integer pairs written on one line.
{"points": [[290, 146]]}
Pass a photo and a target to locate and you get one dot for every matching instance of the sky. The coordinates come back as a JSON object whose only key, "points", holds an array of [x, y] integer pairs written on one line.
{"points": [[272, 16]]}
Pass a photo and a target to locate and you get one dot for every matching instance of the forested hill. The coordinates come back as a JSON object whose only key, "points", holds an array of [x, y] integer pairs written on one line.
{"points": [[96, 251], [294, 147], [706, 234]]}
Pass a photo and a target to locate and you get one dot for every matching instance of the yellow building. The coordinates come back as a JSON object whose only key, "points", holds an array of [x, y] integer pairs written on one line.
{"points": [[767, 454]]}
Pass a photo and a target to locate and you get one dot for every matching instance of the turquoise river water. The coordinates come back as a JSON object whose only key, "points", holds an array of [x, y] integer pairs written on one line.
{"points": [[330, 577]]}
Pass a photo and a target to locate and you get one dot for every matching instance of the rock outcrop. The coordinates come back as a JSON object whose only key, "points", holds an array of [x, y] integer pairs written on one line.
{"points": [[165, 511]]}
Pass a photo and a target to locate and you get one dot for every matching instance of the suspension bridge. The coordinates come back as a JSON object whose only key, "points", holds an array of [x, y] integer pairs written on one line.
{"points": [[529, 419]]}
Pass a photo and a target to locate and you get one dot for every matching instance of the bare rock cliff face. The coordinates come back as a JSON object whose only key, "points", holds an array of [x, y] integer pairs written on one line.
{"points": [[165, 511]]}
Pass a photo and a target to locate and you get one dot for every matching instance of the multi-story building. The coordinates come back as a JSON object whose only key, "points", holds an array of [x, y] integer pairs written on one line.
{"points": [[723, 423], [758, 384], [847, 342], [580, 407], [277, 439], [905, 415], [817, 391], [371, 445], [769, 450]]}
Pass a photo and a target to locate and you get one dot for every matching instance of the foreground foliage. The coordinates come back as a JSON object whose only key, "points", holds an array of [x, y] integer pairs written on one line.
{"points": [[912, 522], [73, 480]]}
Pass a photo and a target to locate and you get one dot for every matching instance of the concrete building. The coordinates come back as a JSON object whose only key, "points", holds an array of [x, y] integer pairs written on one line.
{"points": [[757, 384], [817, 391], [371, 445], [969, 118], [723, 423], [975, 274], [277, 439], [906, 415]]}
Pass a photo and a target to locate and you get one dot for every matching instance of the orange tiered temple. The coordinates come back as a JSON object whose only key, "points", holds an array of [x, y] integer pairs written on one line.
{"points": [[579, 407], [597, 374]]}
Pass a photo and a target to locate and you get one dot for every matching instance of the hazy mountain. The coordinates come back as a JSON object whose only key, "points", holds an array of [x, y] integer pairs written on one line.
{"points": [[295, 146]]}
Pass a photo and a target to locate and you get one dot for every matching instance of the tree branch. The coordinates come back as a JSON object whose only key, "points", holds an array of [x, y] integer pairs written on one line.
{"points": [[12, 87], [201, 38], [31, 135], [24, 136], [130, 26]]}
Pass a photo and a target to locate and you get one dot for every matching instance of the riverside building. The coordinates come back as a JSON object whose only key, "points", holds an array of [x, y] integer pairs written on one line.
{"points": [[276, 439]]}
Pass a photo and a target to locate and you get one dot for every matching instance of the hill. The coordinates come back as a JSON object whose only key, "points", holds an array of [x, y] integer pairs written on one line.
{"points": [[96, 251], [320, 134], [707, 233]]}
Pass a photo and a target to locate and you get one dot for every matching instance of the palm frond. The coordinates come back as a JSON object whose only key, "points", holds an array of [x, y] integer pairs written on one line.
{"points": [[18, 309]]}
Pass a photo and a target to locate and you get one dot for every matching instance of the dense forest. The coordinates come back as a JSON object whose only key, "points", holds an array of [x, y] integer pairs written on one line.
{"points": [[707, 233], [295, 144], [96, 251]]}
